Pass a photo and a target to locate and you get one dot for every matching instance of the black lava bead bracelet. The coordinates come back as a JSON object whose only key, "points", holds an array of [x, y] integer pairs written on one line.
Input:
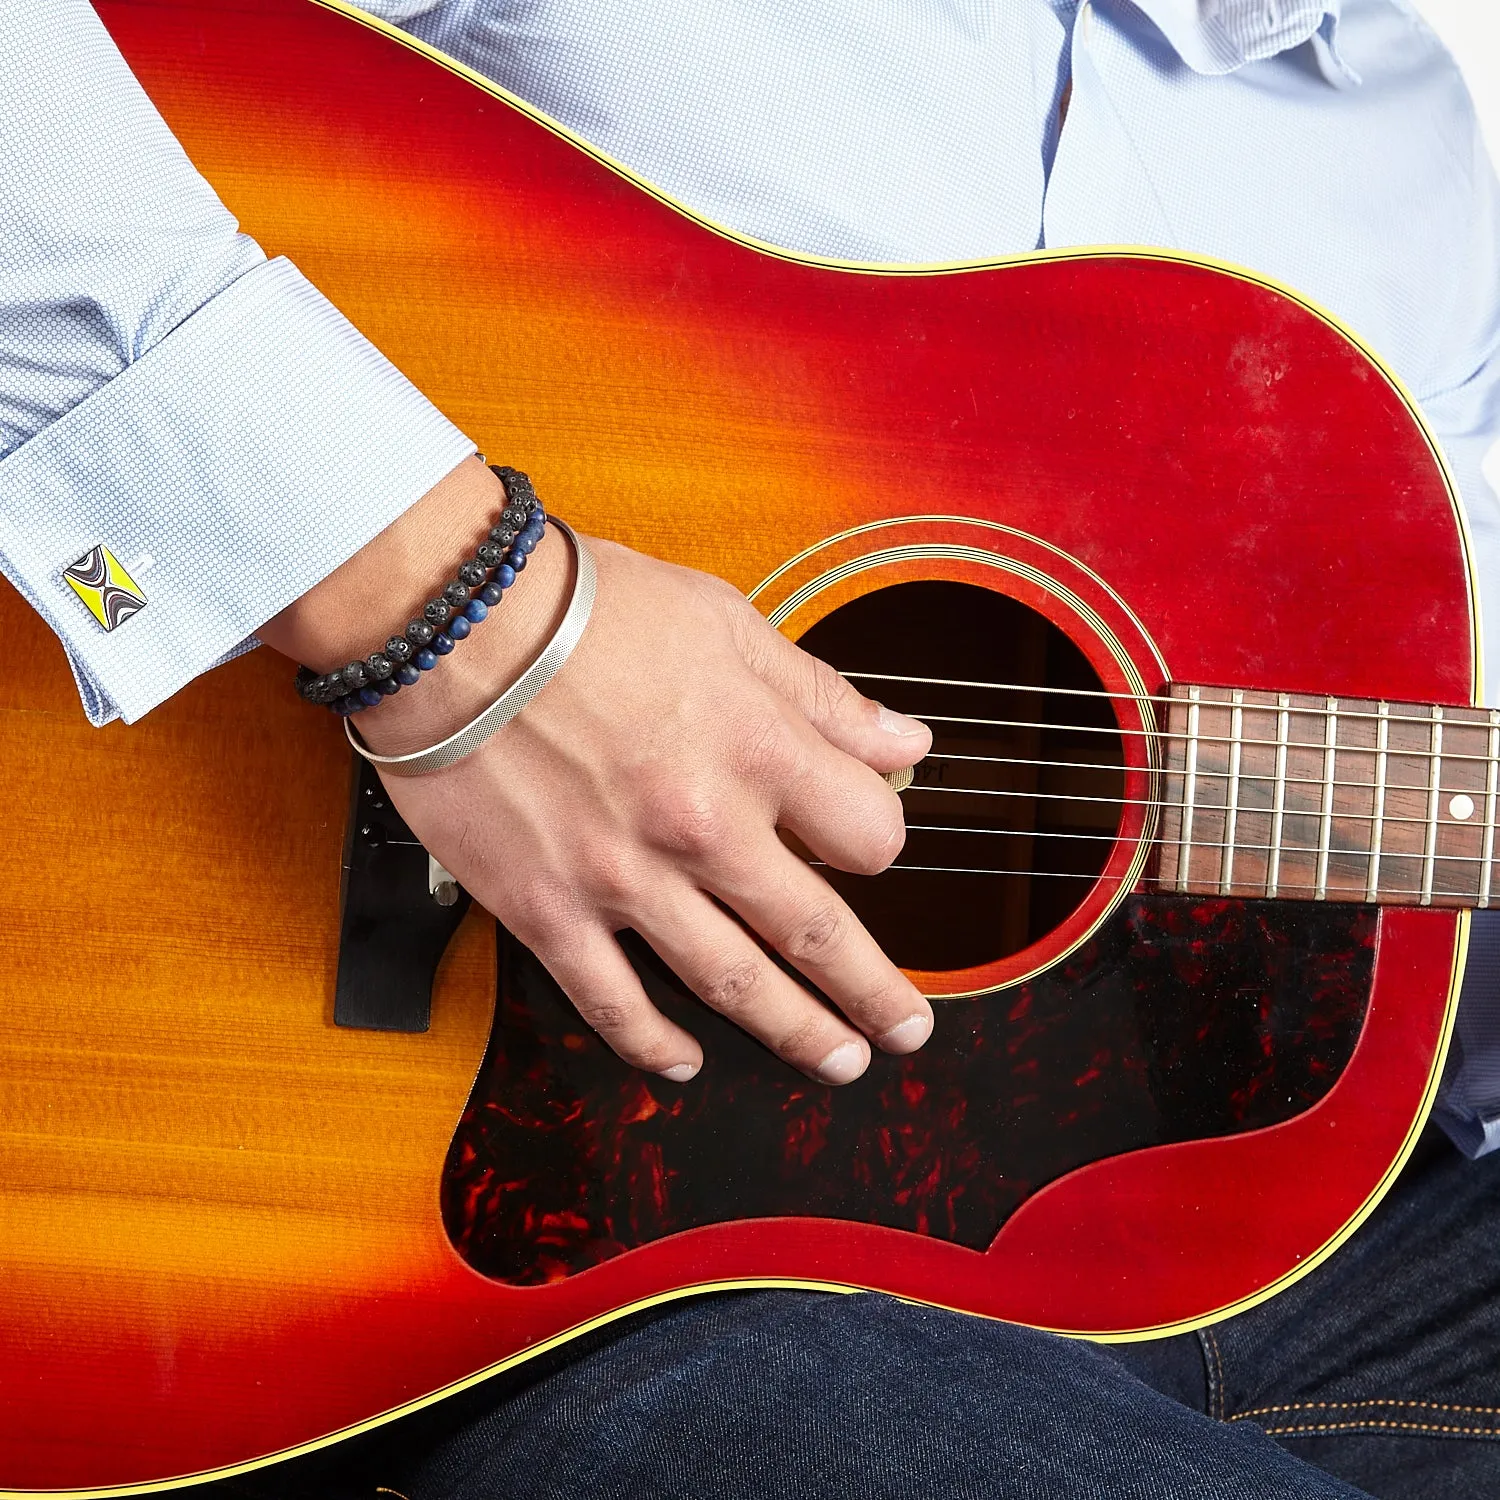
{"points": [[464, 603]]}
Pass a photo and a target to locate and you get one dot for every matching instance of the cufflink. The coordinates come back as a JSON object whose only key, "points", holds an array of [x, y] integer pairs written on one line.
{"points": [[111, 594]]}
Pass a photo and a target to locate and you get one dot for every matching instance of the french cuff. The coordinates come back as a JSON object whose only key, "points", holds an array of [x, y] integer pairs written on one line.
{"points": [[213, 481], [1219, 36]]}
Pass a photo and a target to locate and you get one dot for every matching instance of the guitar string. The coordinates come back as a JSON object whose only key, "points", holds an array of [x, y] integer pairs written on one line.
{"points": [[1206, 739], [1200, 808], [1028, 687], [1386, 855], [1282, 885], [1023, 833], [1076, 874], [1163, 841], [1203, 773], [966, 869]]}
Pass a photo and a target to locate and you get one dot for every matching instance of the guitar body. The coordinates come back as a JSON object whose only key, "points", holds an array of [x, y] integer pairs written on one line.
{"points": [[232, 1228]]}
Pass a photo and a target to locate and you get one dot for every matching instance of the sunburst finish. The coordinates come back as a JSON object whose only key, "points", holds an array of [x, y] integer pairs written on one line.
{"points": [[221, 1232]]}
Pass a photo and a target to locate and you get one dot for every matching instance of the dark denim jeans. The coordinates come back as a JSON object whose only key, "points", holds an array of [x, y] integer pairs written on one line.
{"points": [[1381, 1368]]}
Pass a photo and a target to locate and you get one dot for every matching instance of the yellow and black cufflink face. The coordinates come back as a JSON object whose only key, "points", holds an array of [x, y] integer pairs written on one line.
{"points": [[111, 594]]}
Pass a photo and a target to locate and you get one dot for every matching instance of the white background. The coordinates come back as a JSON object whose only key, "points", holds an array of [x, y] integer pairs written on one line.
{"points": [[1471, 28]]}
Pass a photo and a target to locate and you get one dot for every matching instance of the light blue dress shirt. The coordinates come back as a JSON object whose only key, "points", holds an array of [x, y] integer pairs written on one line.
{"points": [[1332, 146], [167, 392]]}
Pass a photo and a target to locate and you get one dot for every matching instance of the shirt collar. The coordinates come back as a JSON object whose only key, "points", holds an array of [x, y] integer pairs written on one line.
{"points": [[1218, 36]]}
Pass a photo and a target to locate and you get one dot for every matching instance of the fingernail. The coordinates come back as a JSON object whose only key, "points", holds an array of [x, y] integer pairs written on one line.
{"points": [[680, 1072], [894, 723], [907, 1035], [843, 1065]]}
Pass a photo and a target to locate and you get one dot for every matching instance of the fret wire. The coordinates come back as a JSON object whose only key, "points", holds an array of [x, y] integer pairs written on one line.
{"points": [[1278, 794], [1489, 809], [1434, 792], [1171, 777], [1189, 791], [1382, 737], [1232, 795], [1325, 824], [1127, 697]]}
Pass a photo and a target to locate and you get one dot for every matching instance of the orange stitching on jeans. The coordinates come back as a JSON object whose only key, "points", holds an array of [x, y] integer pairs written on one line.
{"points": [[1257, 1411], [1388, 1426]]}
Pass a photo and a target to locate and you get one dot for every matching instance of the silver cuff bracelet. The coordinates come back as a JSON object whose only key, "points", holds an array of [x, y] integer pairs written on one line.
{"points": [[548, 662]]}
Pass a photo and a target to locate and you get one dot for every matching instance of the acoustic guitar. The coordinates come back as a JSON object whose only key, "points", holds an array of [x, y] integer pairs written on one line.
{"points": [[1164, 555]]}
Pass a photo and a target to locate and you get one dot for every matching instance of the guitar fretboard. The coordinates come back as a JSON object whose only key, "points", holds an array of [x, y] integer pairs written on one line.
{"points": [[1328, 799]]}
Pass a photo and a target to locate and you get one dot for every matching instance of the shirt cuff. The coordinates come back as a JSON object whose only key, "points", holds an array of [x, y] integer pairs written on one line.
{"points": [[236, 463]]}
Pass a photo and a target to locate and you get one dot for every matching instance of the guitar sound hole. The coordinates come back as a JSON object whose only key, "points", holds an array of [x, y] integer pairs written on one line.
{"points": [[1010, 819]]}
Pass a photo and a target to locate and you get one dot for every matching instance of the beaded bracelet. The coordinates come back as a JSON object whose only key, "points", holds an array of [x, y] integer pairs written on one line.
{"points": [[446, 620], [547, 663]]}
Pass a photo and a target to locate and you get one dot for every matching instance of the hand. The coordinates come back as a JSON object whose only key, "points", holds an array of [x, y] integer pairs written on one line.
{"points": [[644, 788]]}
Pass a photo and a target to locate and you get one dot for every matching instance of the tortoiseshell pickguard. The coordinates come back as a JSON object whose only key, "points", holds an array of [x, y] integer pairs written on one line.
{"points": [[1181, 1019]]}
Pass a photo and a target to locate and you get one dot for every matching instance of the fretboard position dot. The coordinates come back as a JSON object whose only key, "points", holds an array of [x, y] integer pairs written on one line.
{"points": [[1461, 808]]}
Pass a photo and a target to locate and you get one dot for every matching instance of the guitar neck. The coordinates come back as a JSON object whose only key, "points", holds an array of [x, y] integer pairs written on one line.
{"points": [[1328, 799]]}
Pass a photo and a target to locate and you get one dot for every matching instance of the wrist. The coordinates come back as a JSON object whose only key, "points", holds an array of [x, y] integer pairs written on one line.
{"points": [[476, 672], [372, 596]]}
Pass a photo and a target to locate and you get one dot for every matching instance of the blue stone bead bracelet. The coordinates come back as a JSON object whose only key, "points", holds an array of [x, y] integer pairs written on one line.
{"points": [[464, 603]]}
